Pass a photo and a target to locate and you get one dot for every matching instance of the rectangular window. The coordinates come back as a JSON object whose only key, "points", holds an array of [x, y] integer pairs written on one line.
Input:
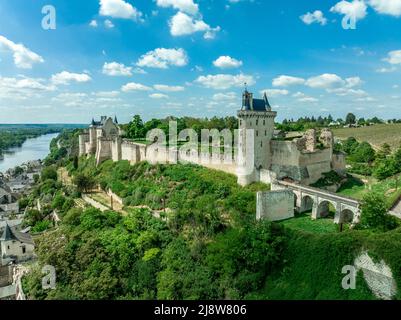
{"points": [[257, 133], [257, 122], [264, 122], [265, 132], [261, 144], [23, 249]]}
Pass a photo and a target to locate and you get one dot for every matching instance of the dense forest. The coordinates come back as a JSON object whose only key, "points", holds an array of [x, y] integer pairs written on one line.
{"points": [[205, 243]]}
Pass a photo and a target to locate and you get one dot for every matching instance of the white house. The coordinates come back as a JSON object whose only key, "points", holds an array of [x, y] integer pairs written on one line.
{"points": [[15, 246]]}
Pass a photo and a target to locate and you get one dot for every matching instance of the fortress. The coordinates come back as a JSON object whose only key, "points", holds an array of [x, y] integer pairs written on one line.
{"points": [[262, 156]]}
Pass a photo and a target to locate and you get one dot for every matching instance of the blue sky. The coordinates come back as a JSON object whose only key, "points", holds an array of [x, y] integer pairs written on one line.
{"points": [[191, 57]]}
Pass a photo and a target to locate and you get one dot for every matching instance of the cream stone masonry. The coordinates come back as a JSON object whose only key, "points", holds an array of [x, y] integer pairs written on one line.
{"points": [[264, 155]]}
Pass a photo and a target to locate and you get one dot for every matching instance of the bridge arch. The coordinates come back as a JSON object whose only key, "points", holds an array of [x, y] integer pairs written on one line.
{"points": [[347, 216], [307, 203], [323, 207]]}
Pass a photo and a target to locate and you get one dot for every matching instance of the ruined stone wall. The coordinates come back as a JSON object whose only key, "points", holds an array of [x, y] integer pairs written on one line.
{"points": [[338, 162], [300, 165], [275, 205]]}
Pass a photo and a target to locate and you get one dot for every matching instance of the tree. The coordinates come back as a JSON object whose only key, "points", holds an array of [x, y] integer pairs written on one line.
{"points": [[384, 152], [83, 182], [136, 129], [350, 145], [49, 173], [350, 119], [374, 213], [384, 168], [363, 153], [75, 162]]}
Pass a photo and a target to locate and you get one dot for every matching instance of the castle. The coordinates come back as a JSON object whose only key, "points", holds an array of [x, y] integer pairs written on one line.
{"points": [[262, 156]]}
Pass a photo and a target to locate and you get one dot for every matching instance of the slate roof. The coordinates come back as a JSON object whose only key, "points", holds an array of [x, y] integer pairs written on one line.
{"points": [[258, 104], [12, 234]]}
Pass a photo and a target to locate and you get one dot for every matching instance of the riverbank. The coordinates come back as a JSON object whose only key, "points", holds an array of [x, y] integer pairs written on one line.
{"points": [[32, 149]]}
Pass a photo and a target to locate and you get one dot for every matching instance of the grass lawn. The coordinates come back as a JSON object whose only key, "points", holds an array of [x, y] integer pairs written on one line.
{"points": [[355, 188], [375, 135], [303, 222]]}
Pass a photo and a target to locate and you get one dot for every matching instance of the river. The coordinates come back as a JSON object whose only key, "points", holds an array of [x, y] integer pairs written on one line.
{"points": [[32, 149]]}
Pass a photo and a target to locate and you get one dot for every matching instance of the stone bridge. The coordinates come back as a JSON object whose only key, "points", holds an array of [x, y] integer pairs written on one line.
{"points": [[347, 210]]}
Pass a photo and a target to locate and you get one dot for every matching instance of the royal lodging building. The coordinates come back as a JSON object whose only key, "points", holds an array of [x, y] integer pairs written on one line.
{"points": [[262, 155]]}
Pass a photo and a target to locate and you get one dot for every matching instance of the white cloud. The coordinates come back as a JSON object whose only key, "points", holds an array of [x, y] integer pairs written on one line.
{"points": [[66, 78], [226, 62], [308, 99], [274, 92], [366, 99], [158, 96], [394, 57], [285, 81], [225, 81], [325, 81], [390, 7], [317, 16], [302, 97], [187, 6], [386, 70], [139, 71], [353, 82], [343, 91], [356, 9], [106, 94], [119, 9], [116, 69], [23, 88], [182, 24], [163, 58], [93, 24], [108, 24], [225, 96], [132, 86], [23, 57], [166, 88]]}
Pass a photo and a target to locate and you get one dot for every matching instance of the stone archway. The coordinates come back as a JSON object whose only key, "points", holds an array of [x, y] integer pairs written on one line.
{"points": [[347, 216], [323, 208], [307, 203]]}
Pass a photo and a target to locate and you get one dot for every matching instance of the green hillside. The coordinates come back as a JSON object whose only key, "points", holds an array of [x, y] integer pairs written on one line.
{"points": [[207, 245]]}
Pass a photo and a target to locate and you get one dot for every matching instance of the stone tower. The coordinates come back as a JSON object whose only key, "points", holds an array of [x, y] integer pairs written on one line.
{"points": [[256, 127]]}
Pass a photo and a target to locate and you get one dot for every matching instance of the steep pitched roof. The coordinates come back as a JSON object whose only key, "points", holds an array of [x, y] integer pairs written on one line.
{"points": [[7, 234], [12, 234]]}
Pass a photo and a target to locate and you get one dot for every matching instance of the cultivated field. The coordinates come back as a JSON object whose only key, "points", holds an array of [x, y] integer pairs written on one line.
{"points": [[376, 135]]}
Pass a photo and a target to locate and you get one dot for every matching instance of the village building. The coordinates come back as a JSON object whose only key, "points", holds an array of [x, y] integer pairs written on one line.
{"points": [[15, 246]]}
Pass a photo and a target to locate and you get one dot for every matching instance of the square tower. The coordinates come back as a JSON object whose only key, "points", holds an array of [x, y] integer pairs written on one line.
{"points": [[256, 127]]}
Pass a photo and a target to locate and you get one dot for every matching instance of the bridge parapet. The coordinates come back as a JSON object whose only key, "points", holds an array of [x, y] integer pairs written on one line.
{"points": [[318, 201]]}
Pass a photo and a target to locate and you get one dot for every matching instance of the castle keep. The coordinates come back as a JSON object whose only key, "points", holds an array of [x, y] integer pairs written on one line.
{"points": [[262, 155]]}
